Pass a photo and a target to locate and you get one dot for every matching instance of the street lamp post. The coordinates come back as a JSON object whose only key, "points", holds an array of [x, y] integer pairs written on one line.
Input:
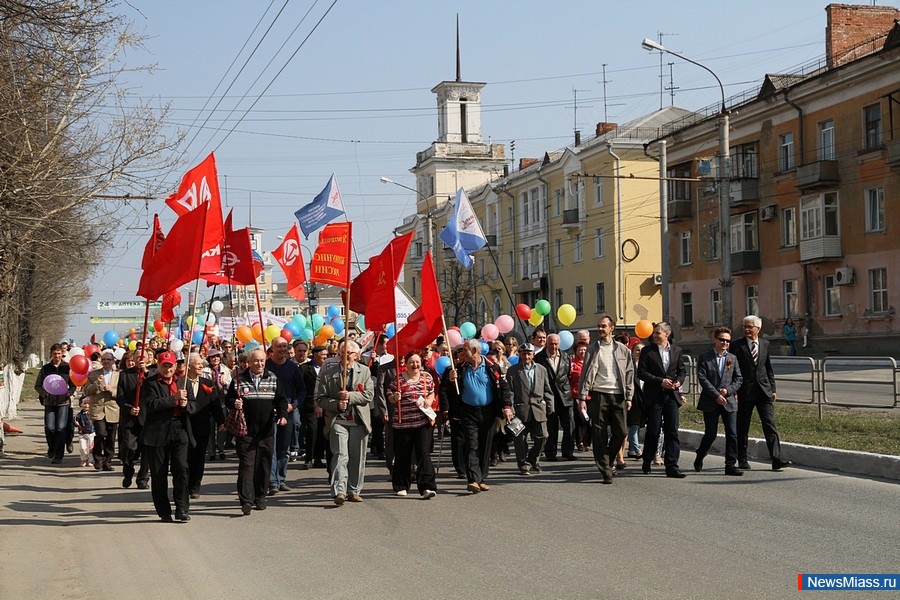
{"points": [[428, 214], [724, 186]]}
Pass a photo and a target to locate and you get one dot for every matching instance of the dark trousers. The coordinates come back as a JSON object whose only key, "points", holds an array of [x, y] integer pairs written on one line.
{"points": [[129, 450], [254, 467], [477, 423], [216, 444], [582, 431], [197, 462], [314, 436], [766, 409], [456, 445], [538, 431], [662, 415], [606, 410], [561, 419], [377, 439], [407, 441], [104, 443], [711, 426], [173, 454]]}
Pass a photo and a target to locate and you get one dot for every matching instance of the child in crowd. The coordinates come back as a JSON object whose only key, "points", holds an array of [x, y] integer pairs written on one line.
{"points": [[86, 434]]}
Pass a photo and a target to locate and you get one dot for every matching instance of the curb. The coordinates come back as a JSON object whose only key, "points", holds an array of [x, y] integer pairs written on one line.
{"points": [[816, 457]]}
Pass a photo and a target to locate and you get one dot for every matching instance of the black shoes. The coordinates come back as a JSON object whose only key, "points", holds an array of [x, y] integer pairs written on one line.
{"points": [[733, 471], [676, 474], [645, 467], [778, 465], [698, 463], [143, 485], [569, 457], [260, 505], [607, 479], [126, 482], [273, 490], [195, 495], [166, 519], [283, 488], [183, 517], [246, 508], [744, 466]]}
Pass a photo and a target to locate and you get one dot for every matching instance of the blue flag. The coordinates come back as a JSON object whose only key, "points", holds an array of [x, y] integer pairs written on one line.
{"points": [[323, 209], [463, 233]]}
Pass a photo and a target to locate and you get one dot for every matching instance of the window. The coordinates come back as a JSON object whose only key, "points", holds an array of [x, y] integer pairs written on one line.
{"points": [[579, 299], [510, 220], [679, 190], [744, 162], [511, 258], [559, 297], [715, 303], [832, 296], [875, 209], [786, 152], [414, 291], [577, 257], [482, 270], [575, 193], [687, 309], [557, 202], [598, 246], [878, 290], [791, 299], [417, 249], [537, 211], [498, 308], [598, 191], [744, 234], [601, 298], [789, 227], [263, 294], [872, 117], [713, 241], [557, 252], [262, 277], [278, 311], [751, 295], [826, 140], [819, 216], [684, 248]]}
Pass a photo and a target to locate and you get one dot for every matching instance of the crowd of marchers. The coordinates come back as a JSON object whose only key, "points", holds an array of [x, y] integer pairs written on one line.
{"points": [[164, 414]]}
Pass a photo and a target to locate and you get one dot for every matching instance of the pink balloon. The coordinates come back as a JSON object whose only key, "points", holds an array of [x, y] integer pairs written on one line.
{"points": [[505, 323], [454, 338], [489, 332]]}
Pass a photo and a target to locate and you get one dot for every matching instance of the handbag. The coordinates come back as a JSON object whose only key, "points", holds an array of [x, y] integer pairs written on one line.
{"points": [[236, 422]]}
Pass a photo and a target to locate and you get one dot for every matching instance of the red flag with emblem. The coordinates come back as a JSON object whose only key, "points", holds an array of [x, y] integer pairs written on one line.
{"points": [[178, 259], [236, 266], [290, 259], [372, 292], [425, 323], [331, 260]]}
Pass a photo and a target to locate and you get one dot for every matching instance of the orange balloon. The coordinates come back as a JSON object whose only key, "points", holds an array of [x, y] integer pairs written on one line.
{"points": [[243, 333], [78, 380], [643, 328], [326, 331], [257, 332]]}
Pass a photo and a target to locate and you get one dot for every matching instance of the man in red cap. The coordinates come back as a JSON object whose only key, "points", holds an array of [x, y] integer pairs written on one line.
{"points": [[166, 437]]}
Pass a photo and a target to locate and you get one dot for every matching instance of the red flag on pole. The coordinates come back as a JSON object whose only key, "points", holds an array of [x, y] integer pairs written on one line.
{"points": [[169, 302], [153, 244], [331, 260], [290, 259], [425, 323], [372, 292], [237, 265], [178, 258]]}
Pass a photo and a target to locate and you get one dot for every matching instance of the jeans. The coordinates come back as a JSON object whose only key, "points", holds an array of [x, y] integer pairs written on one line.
{"points": [[348, 461], [56, 420], [634, 443], [283, 436], [294, 421]]}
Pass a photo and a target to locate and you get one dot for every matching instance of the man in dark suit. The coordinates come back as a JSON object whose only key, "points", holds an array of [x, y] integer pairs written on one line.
{"points": [[720, 378], [166, 437], [312, 417], [204, 393], [558, 366], [532, 402], [757, 391], [662, 371], [131, 419]]}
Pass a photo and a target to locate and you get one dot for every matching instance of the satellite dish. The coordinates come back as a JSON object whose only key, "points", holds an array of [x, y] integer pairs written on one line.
{"points": [[274, 287]]}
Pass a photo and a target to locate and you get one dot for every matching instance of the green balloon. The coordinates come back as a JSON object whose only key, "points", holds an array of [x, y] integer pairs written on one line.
{"points": [[542, 307]]}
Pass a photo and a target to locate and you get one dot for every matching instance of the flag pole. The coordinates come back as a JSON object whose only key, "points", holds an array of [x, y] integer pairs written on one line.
{"points": [[262, 332], [193, 307], [140, 371], [508, 293], [344, 357]]}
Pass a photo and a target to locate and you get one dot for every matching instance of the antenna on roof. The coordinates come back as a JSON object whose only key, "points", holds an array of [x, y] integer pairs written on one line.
{"points": [[458, 67]]}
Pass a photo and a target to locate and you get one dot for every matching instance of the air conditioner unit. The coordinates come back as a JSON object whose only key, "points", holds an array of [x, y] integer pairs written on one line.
{"points": [[767, 213], [657, 279], [843, 276]]}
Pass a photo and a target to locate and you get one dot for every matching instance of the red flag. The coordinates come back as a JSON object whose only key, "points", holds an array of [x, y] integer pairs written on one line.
{"points": [[178, 259], [153, 244], [331, 260], [425, 323], [290, 259], [372, 292], [169, 302], [199, 186], [237, 265]]}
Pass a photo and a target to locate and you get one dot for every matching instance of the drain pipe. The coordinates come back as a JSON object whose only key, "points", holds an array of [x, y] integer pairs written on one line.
{"points": [[618, 233], [800, 145], [549, 295]]}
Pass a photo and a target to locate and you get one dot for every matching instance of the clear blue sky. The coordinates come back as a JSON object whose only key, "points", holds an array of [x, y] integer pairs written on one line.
{"points": [[355, 99]]}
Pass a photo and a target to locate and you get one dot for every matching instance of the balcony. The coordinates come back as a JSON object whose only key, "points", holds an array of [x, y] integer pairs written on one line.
{"points": [[742, 262], [822, 173], [492, 240], [679, 210], [744, 191], [571, 219], [820, 248], [893, 152]]}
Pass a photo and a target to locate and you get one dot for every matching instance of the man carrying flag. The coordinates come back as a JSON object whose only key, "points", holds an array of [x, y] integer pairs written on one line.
{"points": [[463, 232]]}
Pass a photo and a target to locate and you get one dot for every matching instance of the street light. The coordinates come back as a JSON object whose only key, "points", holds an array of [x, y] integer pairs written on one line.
{"points": [[724, 186], [428, 213]]}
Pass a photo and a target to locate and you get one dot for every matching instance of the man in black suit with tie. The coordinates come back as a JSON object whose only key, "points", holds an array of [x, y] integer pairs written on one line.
{"points": [[208, 408], [720, 378], [560, 416], [661, 369], [757, 391]]}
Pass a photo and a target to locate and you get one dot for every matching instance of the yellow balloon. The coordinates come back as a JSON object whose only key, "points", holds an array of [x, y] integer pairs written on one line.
{"points": [[272, 332], [189, 321], [566, 314], [536, 318], [132, 345]]}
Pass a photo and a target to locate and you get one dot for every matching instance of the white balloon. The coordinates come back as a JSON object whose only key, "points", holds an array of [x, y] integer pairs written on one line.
{"points": [[119, 353], [176, 345], [217, 307], [211, 320], [75, 352]]}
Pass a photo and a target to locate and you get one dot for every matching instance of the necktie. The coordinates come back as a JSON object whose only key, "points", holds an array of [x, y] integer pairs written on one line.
{"points": [[754, 351]]}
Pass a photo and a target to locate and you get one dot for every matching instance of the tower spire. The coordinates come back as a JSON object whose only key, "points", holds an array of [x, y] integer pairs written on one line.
{"points": [[458, 67]]}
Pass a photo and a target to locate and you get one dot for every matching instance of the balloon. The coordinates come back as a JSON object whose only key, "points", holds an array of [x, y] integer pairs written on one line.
{"points": [[543, 307], [485, 348], [176, 345], [243, 334], [79, 364], [306, 334], [291, 328], [299, 320], [442, 364], [536, 318], [132, 331], [56, 385], [468, 330], [361, 322], [248, 346], [333, 311], [196, 338], [514, 359], [566, 314], [162, 332], [643, 328], [158, 325], [119, 353], [523, 311], [75, 352], [190, 321], [91, 349], [287, 334], [211, 320], [201, 321], [338, 324], [78, 380], [320, 340], [505, 323], [317, 321], [217, 306], [272, 332], [454, 338], [326, 331], [489, 332], [132, 345], [390, 331], [566, 339], [257, 332]]}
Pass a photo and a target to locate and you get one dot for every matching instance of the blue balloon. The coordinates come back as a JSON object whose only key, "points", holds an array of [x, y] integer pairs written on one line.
{"points": [[299, 320], [338, 324], [566, 339], [197, 338], [442, 364], [468, 330], [485, 348], [110, 338], [361, 323], [333, 311], [514, 359], [317, 321], [389, 331], [306, 334], [292, 327]]}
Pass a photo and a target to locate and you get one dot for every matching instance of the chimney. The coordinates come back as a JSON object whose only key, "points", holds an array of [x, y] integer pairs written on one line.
{"points": [[604, 127], [849, 25], [524, 163], [577, 138]]}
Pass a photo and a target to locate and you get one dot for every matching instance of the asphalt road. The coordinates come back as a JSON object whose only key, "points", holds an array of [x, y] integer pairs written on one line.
{"points": [[68, 532]]}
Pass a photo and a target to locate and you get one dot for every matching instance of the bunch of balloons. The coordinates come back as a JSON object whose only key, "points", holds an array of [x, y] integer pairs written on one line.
{"points": [[79, 368]]}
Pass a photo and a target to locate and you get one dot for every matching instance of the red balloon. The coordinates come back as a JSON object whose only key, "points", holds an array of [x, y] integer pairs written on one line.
{"points": [[80, 365], [287, 335], [78, 380], [90, 350], [158, 325], [523, 311]]}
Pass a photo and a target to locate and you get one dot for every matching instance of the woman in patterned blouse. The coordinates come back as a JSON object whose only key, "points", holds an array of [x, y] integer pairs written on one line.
{"points": [[410, 393]]}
